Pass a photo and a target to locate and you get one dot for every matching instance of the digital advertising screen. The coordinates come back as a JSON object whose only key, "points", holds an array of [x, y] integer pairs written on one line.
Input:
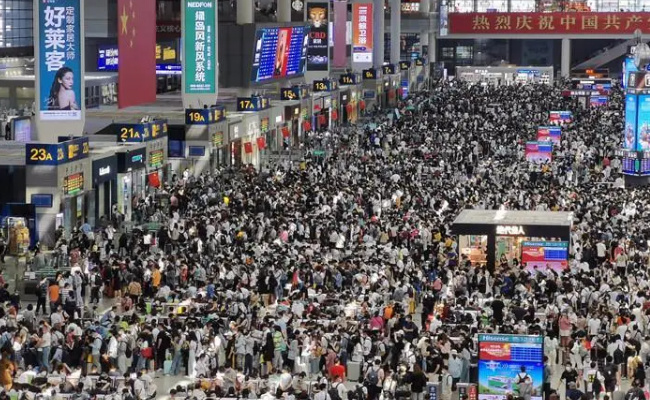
{"points": [[560, 117], [279, 53], [545, 255], [629, 135], [500, 360], [318, 43], [539, 152], [549, 134], [21, 128], [107, 58], [598, 101], [642, 122]]}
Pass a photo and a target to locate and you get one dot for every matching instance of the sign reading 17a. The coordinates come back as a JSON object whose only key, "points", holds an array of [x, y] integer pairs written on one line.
{"points": [[246, 105]]}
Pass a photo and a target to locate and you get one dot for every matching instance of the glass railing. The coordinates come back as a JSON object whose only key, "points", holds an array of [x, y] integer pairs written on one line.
{"points": [[469, 6]]}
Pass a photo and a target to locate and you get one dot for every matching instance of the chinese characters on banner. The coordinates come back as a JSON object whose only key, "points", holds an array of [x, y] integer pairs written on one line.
{"points": [[199, 46], [59, 60], [362, 32], [550, 23]]}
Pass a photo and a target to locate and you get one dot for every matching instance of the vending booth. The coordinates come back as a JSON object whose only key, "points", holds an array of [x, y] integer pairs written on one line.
{"points": [[322, 92], [294, 99], [61, 173], [373, 88], [391, 79], [104, 183], [203, 146], [235, 134], [131, 177], [538, 239]]}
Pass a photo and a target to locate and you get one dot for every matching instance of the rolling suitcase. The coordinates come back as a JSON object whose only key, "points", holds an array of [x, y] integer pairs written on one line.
{"points": [[354, 371], [167, 369]]}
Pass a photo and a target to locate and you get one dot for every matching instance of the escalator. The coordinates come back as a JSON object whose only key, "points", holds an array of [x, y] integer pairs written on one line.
{"points": [[606, 55]]}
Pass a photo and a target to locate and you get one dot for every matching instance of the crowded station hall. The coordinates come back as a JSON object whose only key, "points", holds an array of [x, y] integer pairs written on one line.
{"points": [[325, 200]]}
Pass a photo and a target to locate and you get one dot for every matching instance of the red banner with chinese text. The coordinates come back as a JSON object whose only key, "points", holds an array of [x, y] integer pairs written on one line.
{"points": [[549, 23]]}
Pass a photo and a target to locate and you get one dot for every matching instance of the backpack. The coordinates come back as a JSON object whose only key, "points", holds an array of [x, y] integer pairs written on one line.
{"points": [[373, 377], [634, 394], [334, 393], [129, 350], [608, 376]]}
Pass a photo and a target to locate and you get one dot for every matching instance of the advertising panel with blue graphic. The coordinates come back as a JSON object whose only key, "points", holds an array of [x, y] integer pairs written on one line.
{"points": [[508, 361], [629, 131], [642, 123], [539, 152], [59, 60]]}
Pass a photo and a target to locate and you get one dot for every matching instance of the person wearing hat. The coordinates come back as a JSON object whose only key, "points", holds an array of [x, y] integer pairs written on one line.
{"points": [[455, 367]]}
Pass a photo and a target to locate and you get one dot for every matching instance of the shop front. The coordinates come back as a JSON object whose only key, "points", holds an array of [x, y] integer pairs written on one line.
{"points": [[391, 76], [295, 100], [203, 141], [373, 89], [157, 166], [104, 185], [131, 178], [251, 144], [317, 118], [290, 133], [58, 178], [538, 239], [219, 148], [235, 135]]}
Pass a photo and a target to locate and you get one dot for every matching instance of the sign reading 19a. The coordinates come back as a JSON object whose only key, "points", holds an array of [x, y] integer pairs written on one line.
{"points": [[196, 116]]}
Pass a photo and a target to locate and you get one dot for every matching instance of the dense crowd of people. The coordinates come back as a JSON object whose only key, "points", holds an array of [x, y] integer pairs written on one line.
{"points": [[294, 281]]}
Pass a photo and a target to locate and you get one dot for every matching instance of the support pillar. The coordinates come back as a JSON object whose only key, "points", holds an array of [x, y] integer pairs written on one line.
{"points": [[245, 12], [565, 66], [424, 7], [395, 30], [433, 47], [378, 34], [284, 10]]}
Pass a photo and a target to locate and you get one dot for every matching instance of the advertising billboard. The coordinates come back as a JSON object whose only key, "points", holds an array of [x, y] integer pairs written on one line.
{"points": [[549, 134], [643, 123], [539, 152], [318, 44], [279, 53], [362, 32], [500, 360], [107, 58], [59, 60], [560, 117], [545, 23], [199, 45], [545, 255], [629, 132]]}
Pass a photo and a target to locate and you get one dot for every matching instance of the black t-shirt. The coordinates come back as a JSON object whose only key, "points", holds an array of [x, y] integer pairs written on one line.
{"points": [[418, 382], [497, 307], [569, 376]]}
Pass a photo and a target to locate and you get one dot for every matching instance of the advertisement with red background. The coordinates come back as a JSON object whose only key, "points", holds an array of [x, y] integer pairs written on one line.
{"points": [[549, 23], [284, 38], [362, 32], [492, 351]]}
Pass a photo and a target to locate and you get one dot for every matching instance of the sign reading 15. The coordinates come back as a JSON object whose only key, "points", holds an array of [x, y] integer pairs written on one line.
{"points": [[289, 94]]}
